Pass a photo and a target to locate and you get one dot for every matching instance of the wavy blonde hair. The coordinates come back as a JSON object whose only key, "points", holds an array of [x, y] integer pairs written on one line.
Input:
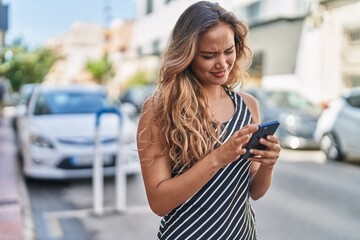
{"points": [[181, 109]]}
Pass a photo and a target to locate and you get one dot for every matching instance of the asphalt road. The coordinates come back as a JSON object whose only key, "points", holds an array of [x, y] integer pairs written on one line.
{"points": [[309, 199]]}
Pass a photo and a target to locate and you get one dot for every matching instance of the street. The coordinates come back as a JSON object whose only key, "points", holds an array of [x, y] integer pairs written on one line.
{"points": [[64, 210], [309, 199]]}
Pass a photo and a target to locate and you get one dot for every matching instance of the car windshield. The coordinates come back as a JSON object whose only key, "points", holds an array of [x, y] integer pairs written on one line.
{"points": [[69, 102], [288, 100]]}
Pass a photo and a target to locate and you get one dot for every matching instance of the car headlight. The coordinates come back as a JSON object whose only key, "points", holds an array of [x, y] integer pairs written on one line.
{"points": [[40, 141], [291, 121]]}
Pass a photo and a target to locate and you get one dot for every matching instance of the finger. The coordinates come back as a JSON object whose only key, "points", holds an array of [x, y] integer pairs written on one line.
{"points": [[241, 151], [264, 162], [248, 129], [271, 145], [265, 154], [244, 134], [273, 138], [241, 140]]}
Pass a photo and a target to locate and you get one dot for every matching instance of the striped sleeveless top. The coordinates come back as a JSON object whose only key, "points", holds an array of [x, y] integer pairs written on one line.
{"points": [[221, 208]]}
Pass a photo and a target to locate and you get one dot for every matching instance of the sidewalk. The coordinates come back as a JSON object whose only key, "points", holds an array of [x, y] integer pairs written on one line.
{"points": [[15, 222]]}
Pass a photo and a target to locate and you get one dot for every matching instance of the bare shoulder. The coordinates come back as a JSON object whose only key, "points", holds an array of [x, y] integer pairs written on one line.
{"points": [[248, 98], [148, 122], [148, 106], [252, 104], [147, 111]]}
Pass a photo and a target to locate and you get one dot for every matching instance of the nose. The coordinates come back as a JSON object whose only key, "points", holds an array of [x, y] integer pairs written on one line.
{"points": [[221, 62]]}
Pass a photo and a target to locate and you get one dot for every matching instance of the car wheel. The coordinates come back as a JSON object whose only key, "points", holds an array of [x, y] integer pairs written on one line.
{"points": [[330, 146]]}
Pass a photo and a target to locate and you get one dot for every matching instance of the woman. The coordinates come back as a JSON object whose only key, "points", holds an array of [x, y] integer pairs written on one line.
{"points": [[193, 130]]}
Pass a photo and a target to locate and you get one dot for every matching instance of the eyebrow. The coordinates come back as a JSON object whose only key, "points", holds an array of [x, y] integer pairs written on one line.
{"points": [[206, 52]]}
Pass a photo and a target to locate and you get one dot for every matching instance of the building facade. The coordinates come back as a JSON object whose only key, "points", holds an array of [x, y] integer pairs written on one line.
{"points": [[84, 42], [311, 46]]}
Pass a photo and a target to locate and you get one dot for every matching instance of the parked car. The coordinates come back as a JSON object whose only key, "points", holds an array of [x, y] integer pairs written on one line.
{"points": [[6, 92], [297, 116], [57, 134], [136, 95], [338, 128], [24, 95]]}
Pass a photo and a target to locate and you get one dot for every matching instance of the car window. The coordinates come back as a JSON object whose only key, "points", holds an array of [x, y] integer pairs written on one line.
{"points": [[69, 102], [354, 101]]}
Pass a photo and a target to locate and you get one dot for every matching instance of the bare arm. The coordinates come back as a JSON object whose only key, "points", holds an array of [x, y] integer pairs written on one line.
{"points": [[165, 192], [261, 179], [262, 166]]}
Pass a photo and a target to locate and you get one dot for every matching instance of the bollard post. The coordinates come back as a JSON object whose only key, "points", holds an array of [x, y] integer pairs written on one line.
{"points": [[98, 171], [120, 177]]}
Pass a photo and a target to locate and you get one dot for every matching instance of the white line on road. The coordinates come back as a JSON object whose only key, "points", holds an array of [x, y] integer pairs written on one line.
{"points": [[84, 213], [54, 228]]}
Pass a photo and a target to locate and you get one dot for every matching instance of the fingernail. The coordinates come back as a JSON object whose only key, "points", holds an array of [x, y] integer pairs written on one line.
{"points": [[251, 151]]}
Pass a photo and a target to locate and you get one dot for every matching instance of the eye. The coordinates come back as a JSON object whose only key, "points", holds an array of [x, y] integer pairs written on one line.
{"points": [[208, 57], [228, 52]]}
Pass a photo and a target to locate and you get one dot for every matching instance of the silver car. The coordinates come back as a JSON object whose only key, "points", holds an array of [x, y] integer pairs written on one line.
{"points": [[338, 128], [57, 134], [297, 116]]}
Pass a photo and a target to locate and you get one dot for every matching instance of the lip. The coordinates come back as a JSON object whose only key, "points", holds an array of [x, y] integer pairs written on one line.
{"points": [[219, 73]]}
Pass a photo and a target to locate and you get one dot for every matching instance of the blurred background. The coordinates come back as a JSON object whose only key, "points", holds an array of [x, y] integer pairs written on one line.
{"points": [[305, 73]]}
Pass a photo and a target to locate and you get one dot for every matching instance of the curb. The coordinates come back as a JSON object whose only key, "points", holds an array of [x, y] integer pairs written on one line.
{"points": [[16, 220], [29, 231]]}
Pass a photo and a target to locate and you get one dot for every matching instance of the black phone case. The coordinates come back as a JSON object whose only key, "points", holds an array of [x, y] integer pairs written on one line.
{"points": [[264, 130]]}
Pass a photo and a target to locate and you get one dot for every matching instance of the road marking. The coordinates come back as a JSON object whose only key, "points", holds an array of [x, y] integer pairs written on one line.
{"points": [[85, 213], [54, 228]]}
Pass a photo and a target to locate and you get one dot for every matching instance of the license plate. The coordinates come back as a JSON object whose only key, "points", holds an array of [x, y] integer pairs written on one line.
{"points": [[88, 160]]}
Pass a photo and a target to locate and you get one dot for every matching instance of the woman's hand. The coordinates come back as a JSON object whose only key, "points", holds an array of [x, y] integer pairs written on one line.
{"points": [[233, 148], [269, 156]]}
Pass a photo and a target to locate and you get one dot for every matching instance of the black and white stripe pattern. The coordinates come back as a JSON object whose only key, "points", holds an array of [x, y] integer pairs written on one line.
{"points": [[221, 209]]}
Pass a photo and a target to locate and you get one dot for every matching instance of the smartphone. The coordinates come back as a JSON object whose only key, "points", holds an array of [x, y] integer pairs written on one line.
{"points": [[264, 130]]}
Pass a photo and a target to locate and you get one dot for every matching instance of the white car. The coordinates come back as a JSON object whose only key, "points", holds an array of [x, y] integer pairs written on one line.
{"points": [[24, 95], [338, 128], [57, 134]]}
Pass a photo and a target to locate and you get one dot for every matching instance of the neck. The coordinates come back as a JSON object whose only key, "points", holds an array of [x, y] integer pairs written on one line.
{"points": [[216, 100]]}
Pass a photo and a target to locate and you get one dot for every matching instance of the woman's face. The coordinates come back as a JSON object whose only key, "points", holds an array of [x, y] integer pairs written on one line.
{"points": [[215, 56]]}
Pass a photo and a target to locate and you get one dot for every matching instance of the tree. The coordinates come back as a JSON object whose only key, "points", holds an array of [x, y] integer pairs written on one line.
{"points": [[139, 78], [21, 65], [101, 69]]}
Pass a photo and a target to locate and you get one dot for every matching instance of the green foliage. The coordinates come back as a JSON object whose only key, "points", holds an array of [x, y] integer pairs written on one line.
{"points": [[101, 69], [20, 65], [140, 78]]}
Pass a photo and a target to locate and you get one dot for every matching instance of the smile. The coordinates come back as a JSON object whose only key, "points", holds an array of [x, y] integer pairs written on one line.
{"points": [[219, 74]]}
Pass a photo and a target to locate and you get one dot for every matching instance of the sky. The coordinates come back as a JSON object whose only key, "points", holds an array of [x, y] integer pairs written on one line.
{"points": [[35, 21]]}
